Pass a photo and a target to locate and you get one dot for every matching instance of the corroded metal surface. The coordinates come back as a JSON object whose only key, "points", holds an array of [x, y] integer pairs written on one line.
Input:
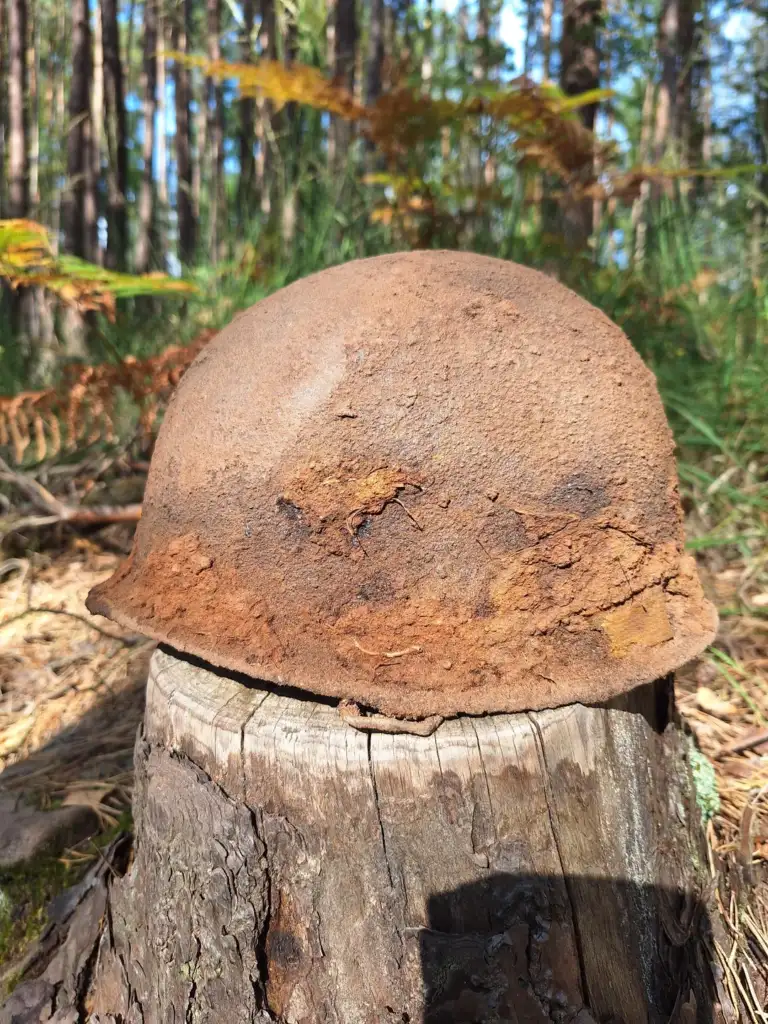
{"points": [[431, 483]]}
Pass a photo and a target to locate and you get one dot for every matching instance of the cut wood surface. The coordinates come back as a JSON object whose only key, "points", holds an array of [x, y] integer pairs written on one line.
{"points": [[512, 868]]}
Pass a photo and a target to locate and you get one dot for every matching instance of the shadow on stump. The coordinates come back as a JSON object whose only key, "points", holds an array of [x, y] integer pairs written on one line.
{"points": [[519, 949]]}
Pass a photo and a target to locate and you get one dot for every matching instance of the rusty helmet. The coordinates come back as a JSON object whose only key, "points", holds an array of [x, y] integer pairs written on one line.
{"points": [[429, 482]]}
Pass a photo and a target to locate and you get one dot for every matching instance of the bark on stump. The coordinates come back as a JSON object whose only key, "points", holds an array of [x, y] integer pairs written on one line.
{"points": [[541, 867]]}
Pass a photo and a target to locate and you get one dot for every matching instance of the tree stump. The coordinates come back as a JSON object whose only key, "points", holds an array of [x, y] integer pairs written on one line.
{"points": [[540, 867]]}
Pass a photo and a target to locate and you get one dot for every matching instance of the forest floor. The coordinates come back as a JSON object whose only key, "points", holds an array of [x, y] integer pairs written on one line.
{"points": [[71, 699]]}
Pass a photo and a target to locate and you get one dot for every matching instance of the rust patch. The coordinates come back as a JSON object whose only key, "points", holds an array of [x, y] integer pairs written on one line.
{"points": [[338, 504], [400, 482], [642, 621]]}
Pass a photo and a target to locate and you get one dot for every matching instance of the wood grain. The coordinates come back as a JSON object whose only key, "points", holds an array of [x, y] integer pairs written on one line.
{"points": [[541, 867]]}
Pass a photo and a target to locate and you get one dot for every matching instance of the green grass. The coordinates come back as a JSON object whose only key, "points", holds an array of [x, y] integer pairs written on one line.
{"points": [[26, 891], [24, 894]]}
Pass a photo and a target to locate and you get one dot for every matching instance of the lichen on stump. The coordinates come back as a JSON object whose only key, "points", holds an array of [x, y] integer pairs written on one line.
{"points": [[511, 869]]}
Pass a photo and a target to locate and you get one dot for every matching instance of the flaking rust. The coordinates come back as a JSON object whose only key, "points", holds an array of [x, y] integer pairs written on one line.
{"points": [[427, 484], [338, 502]]}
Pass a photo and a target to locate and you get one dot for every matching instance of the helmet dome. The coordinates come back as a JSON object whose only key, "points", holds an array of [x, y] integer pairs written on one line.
{"points": [[430, 482]]}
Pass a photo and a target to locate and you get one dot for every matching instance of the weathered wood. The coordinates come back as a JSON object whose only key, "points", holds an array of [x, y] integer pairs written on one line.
{"points": [[539, 867]]}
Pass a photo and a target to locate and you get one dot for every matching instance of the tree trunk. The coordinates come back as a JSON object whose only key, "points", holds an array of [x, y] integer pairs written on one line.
{"points": [[22, 302], [76, 212], [3, 113], [94, 205], [214, 133], [344, 62], [187, 228], [246, 188], [685, 114], [143, 256], [375, 53], [291, 130], [129, 62], [18, 152], [59, 121], [513, 868], [34, 85], [640, 205], [162, 138], [547, 10], [114, 95], [667, 95], [269, 157], [580, 73]]}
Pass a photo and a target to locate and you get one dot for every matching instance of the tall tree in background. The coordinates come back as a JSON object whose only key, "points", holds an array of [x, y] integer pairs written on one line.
{"points": [[579, 52], [33, 103], [246, 186], [162, 205], [117, 152], [187, 227], [214, 131], [268, 156], [580, 73], [78, 215], [375, 52], [759, 219], [143, 255], [97, 124], [344, 66], [290, 129], [667, 91], [673, 130], [3, 110], [18, 151], [79, 206], [547, 10]]}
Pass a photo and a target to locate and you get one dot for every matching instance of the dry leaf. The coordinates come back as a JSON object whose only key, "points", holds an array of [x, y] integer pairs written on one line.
{"points": [[709, 701]]}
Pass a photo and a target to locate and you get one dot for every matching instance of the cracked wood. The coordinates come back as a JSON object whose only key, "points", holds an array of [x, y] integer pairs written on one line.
{"points": [[540, 867]]}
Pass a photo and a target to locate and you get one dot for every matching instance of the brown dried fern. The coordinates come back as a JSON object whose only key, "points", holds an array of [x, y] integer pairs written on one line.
{"points": [[80, 411]]}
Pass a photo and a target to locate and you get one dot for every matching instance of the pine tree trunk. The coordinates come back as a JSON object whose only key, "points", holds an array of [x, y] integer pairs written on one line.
{"points": [[547, 10], [114, 95], [3, 112], [162, 137], [291, 129], [269, 157], [94, 205], [187, 227], [375, 53], [34, 84], [514, 869], [18, 158], [246, 188], [344, 65], [20, 302], [640, 205], [77, 231], [61, 128], [580, 73], [143, 255], [214, 133], [667, 93]]}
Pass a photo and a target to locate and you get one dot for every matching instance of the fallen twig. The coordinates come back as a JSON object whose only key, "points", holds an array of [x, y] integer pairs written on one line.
{"points": [[127, 640], [739, 746]]}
